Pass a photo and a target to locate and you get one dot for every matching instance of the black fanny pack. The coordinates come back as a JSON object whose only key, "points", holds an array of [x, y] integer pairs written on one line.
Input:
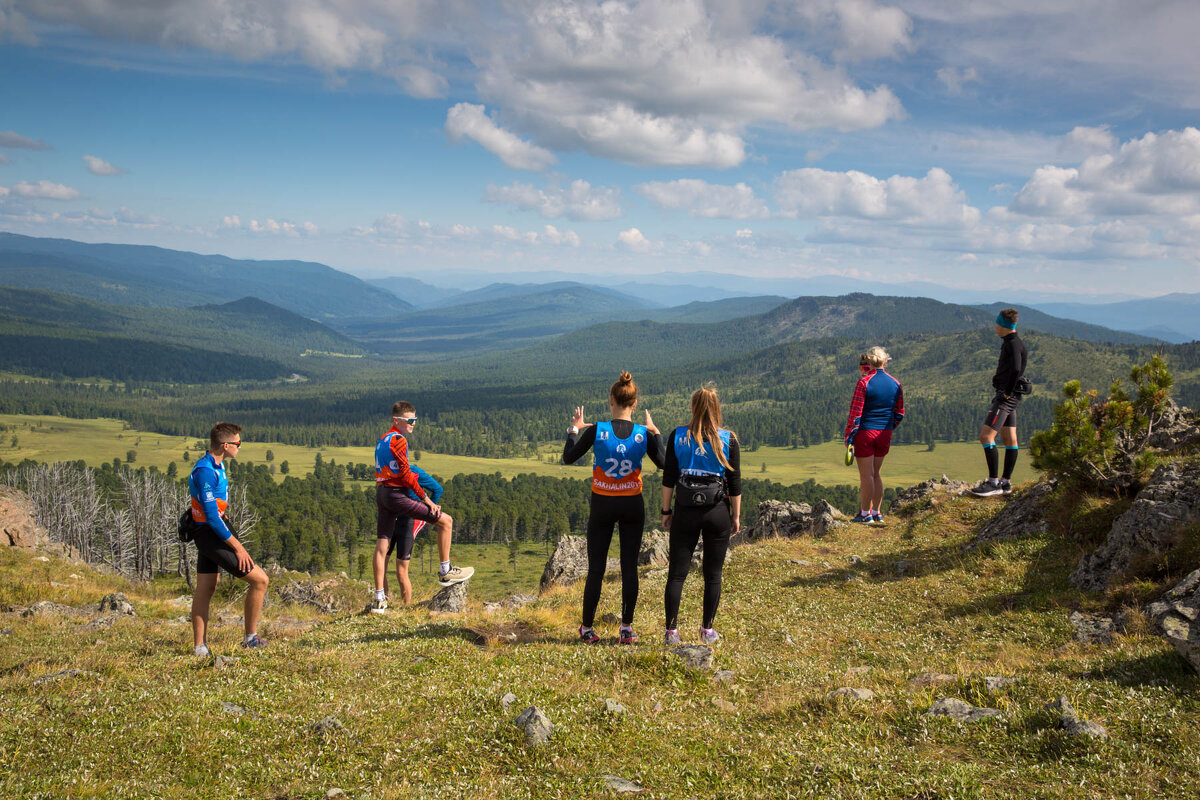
{"points": [[699, 491], [1023, 386], [187, 526]]}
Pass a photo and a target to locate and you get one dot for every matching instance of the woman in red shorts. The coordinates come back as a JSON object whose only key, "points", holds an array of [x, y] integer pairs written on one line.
{"points": [[875, 411]]}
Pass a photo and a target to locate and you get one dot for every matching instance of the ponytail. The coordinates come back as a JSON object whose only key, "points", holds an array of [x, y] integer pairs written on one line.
{"points": [[706, 423]]}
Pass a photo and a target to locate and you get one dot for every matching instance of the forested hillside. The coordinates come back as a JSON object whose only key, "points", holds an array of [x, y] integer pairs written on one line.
{"points": [[153, 276]]}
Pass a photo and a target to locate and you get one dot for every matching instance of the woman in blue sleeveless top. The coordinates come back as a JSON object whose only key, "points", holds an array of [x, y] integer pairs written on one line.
{"points": [[618, 448], [703, 475]]}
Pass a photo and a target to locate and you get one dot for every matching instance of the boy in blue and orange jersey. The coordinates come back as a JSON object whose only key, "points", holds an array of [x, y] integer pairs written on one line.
{"points": [[394, 480], [215, 542], [405, 535]]}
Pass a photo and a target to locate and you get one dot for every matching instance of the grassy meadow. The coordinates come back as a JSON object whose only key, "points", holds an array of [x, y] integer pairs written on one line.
{"points": [[126, 711], [98, 441]]}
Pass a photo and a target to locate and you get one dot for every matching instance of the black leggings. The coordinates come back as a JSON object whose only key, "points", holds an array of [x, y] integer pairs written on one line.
{"points": [[629, 514], [687, 526]]}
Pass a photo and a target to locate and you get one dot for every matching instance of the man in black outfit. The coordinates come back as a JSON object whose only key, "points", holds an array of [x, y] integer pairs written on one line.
{"points": [[1002, 416]]}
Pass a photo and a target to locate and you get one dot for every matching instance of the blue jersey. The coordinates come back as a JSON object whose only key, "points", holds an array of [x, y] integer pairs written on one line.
{"points": [[209, 489], [696, 458], [877, 405], [617, 463], [432, 488]]}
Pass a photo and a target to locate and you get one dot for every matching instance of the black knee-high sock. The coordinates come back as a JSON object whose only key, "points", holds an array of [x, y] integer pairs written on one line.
{"points": [[993, 460], [1010, 460]]}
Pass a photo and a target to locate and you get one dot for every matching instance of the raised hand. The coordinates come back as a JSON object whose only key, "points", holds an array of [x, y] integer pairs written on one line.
{"points": [[650, 426], [577, 419]]}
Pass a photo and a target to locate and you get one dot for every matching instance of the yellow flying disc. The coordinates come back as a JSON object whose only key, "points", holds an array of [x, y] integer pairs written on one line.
{"points": [[849, 454]]}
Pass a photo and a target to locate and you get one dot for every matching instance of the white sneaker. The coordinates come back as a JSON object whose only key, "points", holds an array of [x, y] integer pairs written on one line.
{"points": [[455, 575], [379, 605]]}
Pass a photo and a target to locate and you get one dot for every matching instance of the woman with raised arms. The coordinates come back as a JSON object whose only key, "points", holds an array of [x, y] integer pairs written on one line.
{"points": [[618, 447]]}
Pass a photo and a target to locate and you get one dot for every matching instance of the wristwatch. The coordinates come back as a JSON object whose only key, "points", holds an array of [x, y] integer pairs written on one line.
{"points": [[572, 429], [666, 512]]}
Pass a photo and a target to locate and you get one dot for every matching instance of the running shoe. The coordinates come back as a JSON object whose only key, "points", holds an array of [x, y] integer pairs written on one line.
{"points": [[379, 605], [861, 518], [1006, 486], [709, 636], [672, 638], [877, 519], [455, 575], [628, 636], [201, 651], [587, 635], [988, 488], [255, 641]]}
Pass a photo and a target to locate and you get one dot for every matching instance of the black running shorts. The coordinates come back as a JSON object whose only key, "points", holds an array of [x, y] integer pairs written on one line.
{"points": [[403, 537], [212, 552], [1003, 413], [393, 502]]}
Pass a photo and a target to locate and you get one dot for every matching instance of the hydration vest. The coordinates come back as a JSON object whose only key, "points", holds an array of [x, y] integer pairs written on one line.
{"points": [[218, 493], [617, 463], [697, 458], [386, 466]]}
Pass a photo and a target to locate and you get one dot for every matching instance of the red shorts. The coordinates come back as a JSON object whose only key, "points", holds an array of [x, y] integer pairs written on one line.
{"points": [[872, 443]]}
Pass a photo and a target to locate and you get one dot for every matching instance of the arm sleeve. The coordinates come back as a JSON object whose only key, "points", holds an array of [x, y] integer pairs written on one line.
{"points": [[655, 449], [578, 444], [856, 408], [898, 411], [407, 478], [1012, 367], [206, 485], [670, 468], [432, 488], [733, 475]]}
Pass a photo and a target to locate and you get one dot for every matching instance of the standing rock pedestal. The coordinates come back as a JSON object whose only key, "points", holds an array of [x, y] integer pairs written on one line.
{"points": [[450, 599]]}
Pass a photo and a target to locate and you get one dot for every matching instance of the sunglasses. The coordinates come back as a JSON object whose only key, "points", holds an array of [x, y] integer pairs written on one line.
{"points": [[235, 444], [409, 420]]}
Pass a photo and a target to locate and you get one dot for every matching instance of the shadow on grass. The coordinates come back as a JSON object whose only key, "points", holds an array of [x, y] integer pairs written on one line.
{"points": [[897, 565], [1166, 669], [430, 631]]}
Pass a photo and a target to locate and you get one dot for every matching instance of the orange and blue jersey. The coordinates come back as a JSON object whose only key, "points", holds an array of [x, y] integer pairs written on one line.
{"points": [[617, 463], [878, 404], [391, 464], [209, 488], [695, 457]]}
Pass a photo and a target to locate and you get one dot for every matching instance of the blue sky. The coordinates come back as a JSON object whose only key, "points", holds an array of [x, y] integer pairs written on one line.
{"points": [[1049, 146]]}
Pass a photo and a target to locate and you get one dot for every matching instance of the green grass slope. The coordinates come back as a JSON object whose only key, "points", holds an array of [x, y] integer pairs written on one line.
{"points": [[417, 697]]}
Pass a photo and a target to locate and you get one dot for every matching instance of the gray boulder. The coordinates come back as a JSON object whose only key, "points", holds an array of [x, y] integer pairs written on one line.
{"points": [[1149, 529], [931, 679], [1022, 516], [516, 601], [48, 608], [850, 693], [18, 527], [450, 599], [63, 674], [117, 603], [1179, 429], [961, 711], [935, 489], [654, 549], [791, 520], [994, 683], [536, 725], [1070, 722], [612, 706], [694, 656], [507, 701], [567, 565], [1092, 628], [622, 785], [1176, 615]]}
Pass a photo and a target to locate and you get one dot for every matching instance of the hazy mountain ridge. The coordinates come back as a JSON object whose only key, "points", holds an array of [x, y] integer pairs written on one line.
{"points": [[1173, 317], [154, 276]]}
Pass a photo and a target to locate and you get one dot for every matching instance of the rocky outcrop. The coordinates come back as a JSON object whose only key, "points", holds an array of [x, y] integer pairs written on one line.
{"points": [[961, 711], [450, 599], [1178, 430], [1022, 516], [17, 526], [117, 603], [1069, 720], [1177, 617], [567, 565], [655, 548], [790, 520], [936, 489], [1149, 529]]}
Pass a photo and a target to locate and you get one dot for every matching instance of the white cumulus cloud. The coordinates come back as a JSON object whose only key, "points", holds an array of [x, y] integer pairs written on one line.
{"points": [[702, 199], [633, 240], [954, 79], [98, 166], [931, 200], [471, 121], [579, 200], [14, 139], [45, 190]]}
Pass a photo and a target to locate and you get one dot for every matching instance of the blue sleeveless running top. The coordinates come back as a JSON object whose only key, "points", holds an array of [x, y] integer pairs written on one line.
{"points": [[696, 458], [617, 463]]}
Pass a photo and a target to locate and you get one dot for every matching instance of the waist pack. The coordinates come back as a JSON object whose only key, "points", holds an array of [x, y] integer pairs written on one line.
{"points": [[188, 526], [1023, 386], [699, 491]]}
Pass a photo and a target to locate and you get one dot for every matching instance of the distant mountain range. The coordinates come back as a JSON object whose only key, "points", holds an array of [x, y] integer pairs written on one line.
{"points": [[1172, 317], [152, 276]]}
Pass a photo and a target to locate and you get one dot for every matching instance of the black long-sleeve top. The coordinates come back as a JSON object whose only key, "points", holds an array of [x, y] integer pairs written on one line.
{"points": [[1011, 365], [579, 443], [733, 475]]}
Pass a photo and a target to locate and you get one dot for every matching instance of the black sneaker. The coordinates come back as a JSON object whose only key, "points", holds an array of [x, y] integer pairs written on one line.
{"points": [[1005, 486], [988, 488]]}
